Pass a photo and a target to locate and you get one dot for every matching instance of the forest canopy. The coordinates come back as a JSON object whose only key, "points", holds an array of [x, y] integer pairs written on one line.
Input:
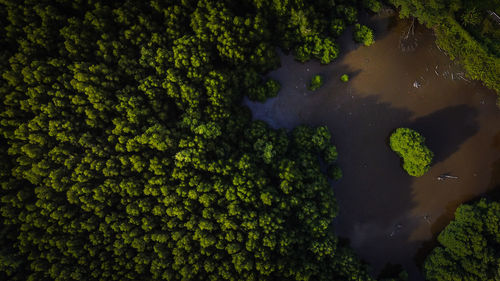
{"points": [[127, 155], [469, 247]]}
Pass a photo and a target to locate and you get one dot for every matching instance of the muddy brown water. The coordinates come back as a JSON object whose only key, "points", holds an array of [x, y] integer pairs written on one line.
{"points": [[388, 216]]}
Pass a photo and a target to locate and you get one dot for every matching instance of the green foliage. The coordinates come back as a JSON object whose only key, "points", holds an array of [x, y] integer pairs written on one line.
{"points": [[469, 247], [322, 49], [334, 172], [330, 154], [337, 27], [393, 272], [349, 13], [373, 5], [410, 146], [471, 17], [268, 90], [344, 78], [126, 153], [363, 34], [315, 83]]}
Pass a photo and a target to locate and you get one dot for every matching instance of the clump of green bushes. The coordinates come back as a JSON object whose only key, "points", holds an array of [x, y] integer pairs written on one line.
{"points": [[410, 145], [315, 83], [344, 78], [373, 5], [363, 34], [269, 89], [334, 172], [337, 27]]}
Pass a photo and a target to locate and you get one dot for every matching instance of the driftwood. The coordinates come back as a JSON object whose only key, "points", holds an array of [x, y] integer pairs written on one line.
{"points": [[408, 43], [494, 16], [411, 29], [460, 75], [427, 219], [396, 229], [445, 176]]}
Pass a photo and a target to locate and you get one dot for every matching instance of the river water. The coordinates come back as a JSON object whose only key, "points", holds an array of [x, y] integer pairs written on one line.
{"points": [[388, 216]]}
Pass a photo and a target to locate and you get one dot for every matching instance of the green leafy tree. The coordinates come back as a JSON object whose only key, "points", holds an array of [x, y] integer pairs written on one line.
{"points": [[268, 90], [373, 5], [349, 13], [330, 154], [410, 146], [337, 27], [469, 247], [315, 83], [363, 34], [472, 17], [335, 172], [321, 48]]}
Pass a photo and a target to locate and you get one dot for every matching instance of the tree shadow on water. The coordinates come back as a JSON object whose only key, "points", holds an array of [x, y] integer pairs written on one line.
{"points": [[446, 129], [375, 195]]}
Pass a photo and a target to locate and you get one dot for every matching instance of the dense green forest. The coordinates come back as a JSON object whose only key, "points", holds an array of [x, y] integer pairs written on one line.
{"points": [[126, 152], [469, 247], [465, 31], [127, 155]]}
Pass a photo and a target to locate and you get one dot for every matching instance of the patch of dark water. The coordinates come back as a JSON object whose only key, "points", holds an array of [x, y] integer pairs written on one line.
{"points": [[388, 216]]}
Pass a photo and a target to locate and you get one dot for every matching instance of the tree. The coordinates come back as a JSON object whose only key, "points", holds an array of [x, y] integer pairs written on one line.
{"points": [[315, 83], [373, 5], [410, 146], [321, 48], [469, 247], [363, 34], [334, 172], [471, 17], [268, 90], [337, 27], [349, 13]]}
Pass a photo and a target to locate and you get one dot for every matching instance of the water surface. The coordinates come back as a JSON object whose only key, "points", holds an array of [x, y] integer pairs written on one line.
{"points": [[387, 215]]}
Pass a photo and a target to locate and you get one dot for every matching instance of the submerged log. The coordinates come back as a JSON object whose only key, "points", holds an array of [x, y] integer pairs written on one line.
{"points": [[442, 177]]}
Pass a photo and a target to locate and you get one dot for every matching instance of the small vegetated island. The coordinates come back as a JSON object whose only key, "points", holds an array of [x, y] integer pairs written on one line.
{"points": [[410, 146], [363, 34], [315, 83]]}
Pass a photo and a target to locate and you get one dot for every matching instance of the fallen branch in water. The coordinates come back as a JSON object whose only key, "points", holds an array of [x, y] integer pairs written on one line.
{"points": [[412, 28]]}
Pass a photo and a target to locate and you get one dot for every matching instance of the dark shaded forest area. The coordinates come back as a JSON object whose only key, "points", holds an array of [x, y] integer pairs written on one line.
{"points": [[128, 156]]}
